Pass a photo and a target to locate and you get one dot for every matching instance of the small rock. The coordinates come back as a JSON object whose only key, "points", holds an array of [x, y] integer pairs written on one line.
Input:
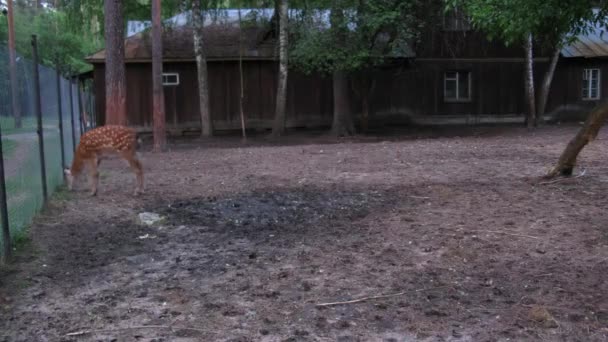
{"points": [[38, 294], [542, 316], [436, 313], [149, 219]]}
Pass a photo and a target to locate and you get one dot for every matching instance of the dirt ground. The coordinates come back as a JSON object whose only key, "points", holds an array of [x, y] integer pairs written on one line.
{"points": [[442, 237]]}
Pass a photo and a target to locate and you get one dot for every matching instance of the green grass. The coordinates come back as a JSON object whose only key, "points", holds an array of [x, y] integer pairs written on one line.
{"points": [[24, 191], [28, 124], [61, 194], [8, 147], [8, 125]]}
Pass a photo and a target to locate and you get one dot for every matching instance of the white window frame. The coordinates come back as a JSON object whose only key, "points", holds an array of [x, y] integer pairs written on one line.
{"points": [[459, 74], [587, 72], [167, 83]]}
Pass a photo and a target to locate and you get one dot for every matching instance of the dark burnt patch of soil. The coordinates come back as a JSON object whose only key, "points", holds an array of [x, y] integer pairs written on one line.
{"points": [[279, 210]]}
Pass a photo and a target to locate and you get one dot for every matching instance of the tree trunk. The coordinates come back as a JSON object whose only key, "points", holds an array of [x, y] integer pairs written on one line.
{"points": [[546, 87], [12, 65], [593, 124], [343, 124], [242, 86], [364, 112], [198, 19], [367, 87], [158, 98], [85, 105], [278, 127], [116, 82], [530, 96]]}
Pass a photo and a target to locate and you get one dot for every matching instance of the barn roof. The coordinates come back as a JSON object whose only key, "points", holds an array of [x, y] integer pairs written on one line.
{"points": [[593, 43], [221, 43], [221, 38]]}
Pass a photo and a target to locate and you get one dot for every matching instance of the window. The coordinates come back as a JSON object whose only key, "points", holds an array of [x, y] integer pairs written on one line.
{"points": [[455, 20], [591, 84], [457, 86], [170, 79]]}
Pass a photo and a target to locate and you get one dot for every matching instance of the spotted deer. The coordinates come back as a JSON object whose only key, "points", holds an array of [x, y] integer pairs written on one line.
{"points": [[100, 142]]}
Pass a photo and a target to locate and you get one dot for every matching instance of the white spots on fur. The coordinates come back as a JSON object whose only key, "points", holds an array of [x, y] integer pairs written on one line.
{"points": [[109, 137]]}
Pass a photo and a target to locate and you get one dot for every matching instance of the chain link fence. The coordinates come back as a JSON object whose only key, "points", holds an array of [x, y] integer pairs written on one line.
{"points": [[20, 145]]}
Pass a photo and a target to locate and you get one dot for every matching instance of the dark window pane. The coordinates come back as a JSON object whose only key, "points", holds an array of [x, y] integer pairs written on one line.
{"points": [[463, 86], [450, 89]]}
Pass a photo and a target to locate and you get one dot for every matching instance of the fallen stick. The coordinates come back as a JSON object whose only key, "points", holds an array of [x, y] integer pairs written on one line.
{"points": [[505, 233], [88, 332], [380, 297], [564, 178]]}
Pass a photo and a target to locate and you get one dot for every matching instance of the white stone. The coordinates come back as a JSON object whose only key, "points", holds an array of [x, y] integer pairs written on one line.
{"points": [[149, 219]]}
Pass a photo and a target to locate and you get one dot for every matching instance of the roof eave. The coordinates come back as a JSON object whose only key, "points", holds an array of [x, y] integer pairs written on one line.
{"points": [[185, 60]]}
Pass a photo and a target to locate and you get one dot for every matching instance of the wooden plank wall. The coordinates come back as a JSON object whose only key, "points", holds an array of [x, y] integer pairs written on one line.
{"points": [[417, 89], [496, 89], [567, 86], [309, 99]]}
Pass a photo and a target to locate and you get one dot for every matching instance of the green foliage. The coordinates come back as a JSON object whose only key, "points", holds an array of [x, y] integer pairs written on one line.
{"points": [[62, 47], [73, 30], [58, 45], [552, 21], [360, 34], [88, 15]]}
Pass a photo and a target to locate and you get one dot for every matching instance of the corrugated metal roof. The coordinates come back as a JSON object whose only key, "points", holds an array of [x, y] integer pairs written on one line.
{"points": [[593, 44]]}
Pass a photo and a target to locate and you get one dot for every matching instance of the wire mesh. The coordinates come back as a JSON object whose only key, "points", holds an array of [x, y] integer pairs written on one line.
{"points": [[22, 164]]}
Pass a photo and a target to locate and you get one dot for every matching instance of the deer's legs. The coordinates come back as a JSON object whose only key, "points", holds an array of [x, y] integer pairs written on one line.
{"points": [[137, 168], [94, 174]]}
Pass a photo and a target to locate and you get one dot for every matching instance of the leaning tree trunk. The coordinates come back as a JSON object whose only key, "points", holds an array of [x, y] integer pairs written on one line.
{"points": [[546, 86], [278, 127], [530, 96], [158, 98], [343, 124], [593, 124], [198, 18], [116, 82]]}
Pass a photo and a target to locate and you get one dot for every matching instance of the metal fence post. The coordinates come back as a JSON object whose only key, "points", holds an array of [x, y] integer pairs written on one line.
{"points": [[72, 115], [38, 107], [6, 233], [92, 109], [60, 115], [80, 114]]}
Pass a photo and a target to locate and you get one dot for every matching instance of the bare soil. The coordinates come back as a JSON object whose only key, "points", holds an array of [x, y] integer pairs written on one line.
{"points": [[444, 235]]}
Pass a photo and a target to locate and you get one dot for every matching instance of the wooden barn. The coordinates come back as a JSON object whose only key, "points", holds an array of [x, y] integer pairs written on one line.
{"points": [[309, 97], [454, 75]]}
